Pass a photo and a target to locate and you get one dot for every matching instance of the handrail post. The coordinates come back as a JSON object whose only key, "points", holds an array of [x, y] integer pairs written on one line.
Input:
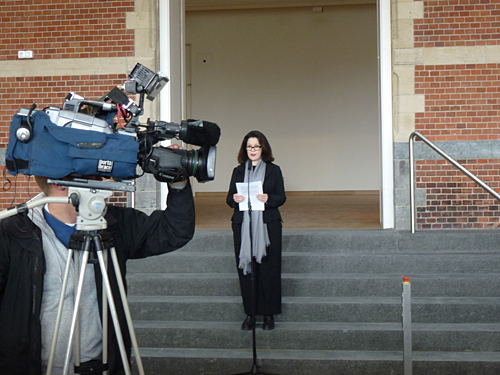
{"points": [[412, 184], [406, 307]]}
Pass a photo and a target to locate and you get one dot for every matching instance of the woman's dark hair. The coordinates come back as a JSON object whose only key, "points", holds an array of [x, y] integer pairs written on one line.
{"points": [[267, 153]]}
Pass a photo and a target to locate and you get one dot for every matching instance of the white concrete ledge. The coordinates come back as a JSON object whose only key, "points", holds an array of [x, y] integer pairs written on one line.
{"points": [[447, 55], [60, 67]]}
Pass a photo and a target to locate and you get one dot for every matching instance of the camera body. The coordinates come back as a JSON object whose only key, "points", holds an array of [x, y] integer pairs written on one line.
{"points": [[56, 151]]}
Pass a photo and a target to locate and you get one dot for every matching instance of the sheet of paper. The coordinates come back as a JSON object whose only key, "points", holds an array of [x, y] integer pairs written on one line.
{"points": [[255, 188]]}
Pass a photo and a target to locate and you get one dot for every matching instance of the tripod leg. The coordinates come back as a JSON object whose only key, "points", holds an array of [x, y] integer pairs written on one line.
{"points": [[112, 307], [59, 312], [76, 306], [105, 316], [127, 310], [76, 343]]}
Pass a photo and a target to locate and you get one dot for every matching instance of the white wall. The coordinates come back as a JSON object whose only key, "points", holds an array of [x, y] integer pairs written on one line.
{"points": [[307, 80]]}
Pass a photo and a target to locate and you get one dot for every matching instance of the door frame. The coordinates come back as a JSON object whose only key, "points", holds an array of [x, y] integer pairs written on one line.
{"points": [[173, 98]]}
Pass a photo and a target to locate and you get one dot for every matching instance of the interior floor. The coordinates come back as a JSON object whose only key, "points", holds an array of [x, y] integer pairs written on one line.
{"points": [[302, 210]]}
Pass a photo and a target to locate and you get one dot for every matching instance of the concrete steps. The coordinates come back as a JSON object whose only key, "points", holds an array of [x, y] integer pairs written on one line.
{"points": [[322, 309], [341, 305], [319, 285], [443, 337], [322, 263], [306, 362]]}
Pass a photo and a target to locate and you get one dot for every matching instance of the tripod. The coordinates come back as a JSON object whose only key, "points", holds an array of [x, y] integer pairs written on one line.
{"points": [[255, 370], [91, 236]]}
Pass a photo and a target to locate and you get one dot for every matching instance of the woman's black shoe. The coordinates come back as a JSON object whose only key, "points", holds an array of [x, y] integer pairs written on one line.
{"points": [[247, 324], [268, 322]]}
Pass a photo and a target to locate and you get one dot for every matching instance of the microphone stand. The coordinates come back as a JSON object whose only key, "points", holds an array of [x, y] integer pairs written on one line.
{"points": [[255, 367]]}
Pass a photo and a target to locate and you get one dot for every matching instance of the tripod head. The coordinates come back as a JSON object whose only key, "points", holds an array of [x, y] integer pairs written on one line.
{"points": [[87, 196]]}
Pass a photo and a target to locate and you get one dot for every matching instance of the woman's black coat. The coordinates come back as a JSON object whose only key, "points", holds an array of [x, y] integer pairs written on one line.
{"points": [[274, 187], [268, 272]]}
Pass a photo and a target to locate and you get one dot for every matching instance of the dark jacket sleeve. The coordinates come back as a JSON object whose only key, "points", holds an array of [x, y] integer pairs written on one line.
{"points": [[275, 189], [22, 268], [161, 232]]}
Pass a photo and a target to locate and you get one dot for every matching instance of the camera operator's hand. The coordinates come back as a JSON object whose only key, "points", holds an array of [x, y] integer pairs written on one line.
{"points": [[178, 184], [175, 146]]}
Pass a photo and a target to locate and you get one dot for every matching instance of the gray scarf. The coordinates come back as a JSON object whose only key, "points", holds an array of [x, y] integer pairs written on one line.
{"points": [[260, 237]]}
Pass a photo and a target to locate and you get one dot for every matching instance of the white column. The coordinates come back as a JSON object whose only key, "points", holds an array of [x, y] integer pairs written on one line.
{"points": [[171, 39], [385, 100]]}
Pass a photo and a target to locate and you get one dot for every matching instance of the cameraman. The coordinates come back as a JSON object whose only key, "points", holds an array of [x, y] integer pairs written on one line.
{"points": [[33, 253]]}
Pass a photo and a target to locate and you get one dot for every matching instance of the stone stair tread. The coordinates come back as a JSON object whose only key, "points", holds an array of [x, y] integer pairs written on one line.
{"points": [[301, 276], [268, 354], [355, 240], [181, 275], [331, 355], [385, 252], [328, 263], [316, 300], [323, 326]]}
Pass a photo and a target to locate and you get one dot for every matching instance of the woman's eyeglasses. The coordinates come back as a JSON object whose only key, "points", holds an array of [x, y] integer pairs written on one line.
{"points": [[253, 148]]}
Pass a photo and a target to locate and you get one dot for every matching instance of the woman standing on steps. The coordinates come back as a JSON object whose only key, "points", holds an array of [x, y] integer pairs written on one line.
{"points": [[255, 157]]}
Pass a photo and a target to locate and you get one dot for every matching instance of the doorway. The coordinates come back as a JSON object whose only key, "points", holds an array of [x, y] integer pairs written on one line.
{"points": [[307, 79]]}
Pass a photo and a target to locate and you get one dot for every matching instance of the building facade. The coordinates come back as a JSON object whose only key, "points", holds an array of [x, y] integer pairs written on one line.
{"points": [[445, 84]]}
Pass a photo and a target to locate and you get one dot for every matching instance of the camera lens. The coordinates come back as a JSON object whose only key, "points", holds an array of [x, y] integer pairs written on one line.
{"points": [[170, 165], [200, 163]]}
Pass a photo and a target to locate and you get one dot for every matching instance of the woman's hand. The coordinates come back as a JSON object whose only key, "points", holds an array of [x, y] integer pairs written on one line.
{"points": [[262, 197], [238, 198]]}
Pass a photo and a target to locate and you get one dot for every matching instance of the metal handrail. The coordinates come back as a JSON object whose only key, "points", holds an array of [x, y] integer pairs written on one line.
{"points": [[447, 157]]}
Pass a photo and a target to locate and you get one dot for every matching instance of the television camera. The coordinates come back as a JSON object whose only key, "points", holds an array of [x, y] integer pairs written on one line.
{"points": [[105, 138]]}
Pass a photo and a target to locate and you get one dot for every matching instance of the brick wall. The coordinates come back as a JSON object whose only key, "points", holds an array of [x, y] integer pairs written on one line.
{"points": [[452, 23], [17, 190], [58, 29], [452, 199], [462, 103]]}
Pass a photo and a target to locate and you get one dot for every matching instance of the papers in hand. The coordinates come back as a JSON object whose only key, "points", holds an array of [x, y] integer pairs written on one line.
{"points": [[255, 188]]}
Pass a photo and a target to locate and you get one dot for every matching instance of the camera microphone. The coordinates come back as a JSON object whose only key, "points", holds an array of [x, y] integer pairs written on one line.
{"points": [[200, 133], [194, 132]]}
